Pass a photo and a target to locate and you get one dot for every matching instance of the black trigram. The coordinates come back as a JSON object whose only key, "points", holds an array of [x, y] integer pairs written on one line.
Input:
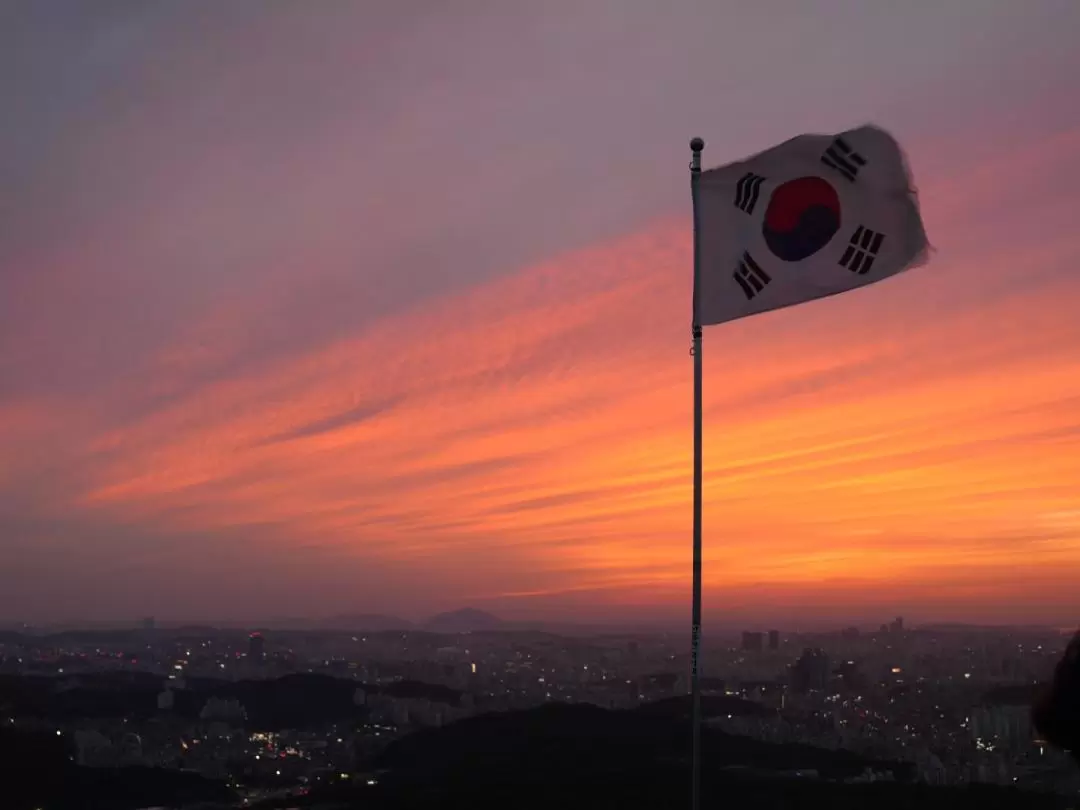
{"points": [[844, 159], [861, 251], [750, 276], [747, 190]]}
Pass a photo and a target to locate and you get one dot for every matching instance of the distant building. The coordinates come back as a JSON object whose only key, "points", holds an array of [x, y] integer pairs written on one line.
{"points": [[929, 767], [148, 624], [1006, 727], [811, 671], [131, 749], [752, 642], [851, 675], [774, 639], [897, 625], [220, 710], [93, 749], [850, 633], [256, 647]]}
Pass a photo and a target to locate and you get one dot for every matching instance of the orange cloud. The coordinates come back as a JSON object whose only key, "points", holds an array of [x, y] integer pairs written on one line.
{"points": [[529, 440]]}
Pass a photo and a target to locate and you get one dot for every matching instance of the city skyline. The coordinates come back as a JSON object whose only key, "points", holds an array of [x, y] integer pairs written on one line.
{"points": [[330, 312], [302, 713]]}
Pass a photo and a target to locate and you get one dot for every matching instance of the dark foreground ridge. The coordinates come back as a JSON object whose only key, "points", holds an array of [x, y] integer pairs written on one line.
{"points": [[37, 770], [562, 756], [553, 757], [296, 701]]}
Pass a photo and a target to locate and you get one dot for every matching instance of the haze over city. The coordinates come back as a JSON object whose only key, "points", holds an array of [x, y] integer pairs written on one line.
{"points": [[310, 310]]}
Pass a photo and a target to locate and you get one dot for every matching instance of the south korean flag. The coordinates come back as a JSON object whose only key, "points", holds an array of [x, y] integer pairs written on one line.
{"points": [[815, 216]]}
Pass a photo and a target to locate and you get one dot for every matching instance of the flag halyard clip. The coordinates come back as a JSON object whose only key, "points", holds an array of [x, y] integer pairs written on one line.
{"points": [[695, 335]]}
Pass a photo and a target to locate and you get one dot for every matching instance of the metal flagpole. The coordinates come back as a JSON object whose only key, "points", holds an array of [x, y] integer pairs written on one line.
{"points": [[696, 145]]}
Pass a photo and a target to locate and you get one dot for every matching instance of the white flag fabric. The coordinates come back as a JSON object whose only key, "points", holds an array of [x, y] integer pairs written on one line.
{"points": [[815, 216]]}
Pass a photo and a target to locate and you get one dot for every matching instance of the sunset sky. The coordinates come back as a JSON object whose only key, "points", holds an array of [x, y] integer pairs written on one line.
{"points": [[314, 308]]}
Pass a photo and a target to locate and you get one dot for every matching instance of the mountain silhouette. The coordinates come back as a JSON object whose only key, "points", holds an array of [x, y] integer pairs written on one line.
{"points": [[570, 756]]}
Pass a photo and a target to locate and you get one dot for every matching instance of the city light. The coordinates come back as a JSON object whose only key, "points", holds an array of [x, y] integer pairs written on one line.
{"points": [[849, 695]]}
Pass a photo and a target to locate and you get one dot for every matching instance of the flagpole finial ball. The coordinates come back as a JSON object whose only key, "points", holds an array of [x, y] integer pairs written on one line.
{"points": [[696, 144]]}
